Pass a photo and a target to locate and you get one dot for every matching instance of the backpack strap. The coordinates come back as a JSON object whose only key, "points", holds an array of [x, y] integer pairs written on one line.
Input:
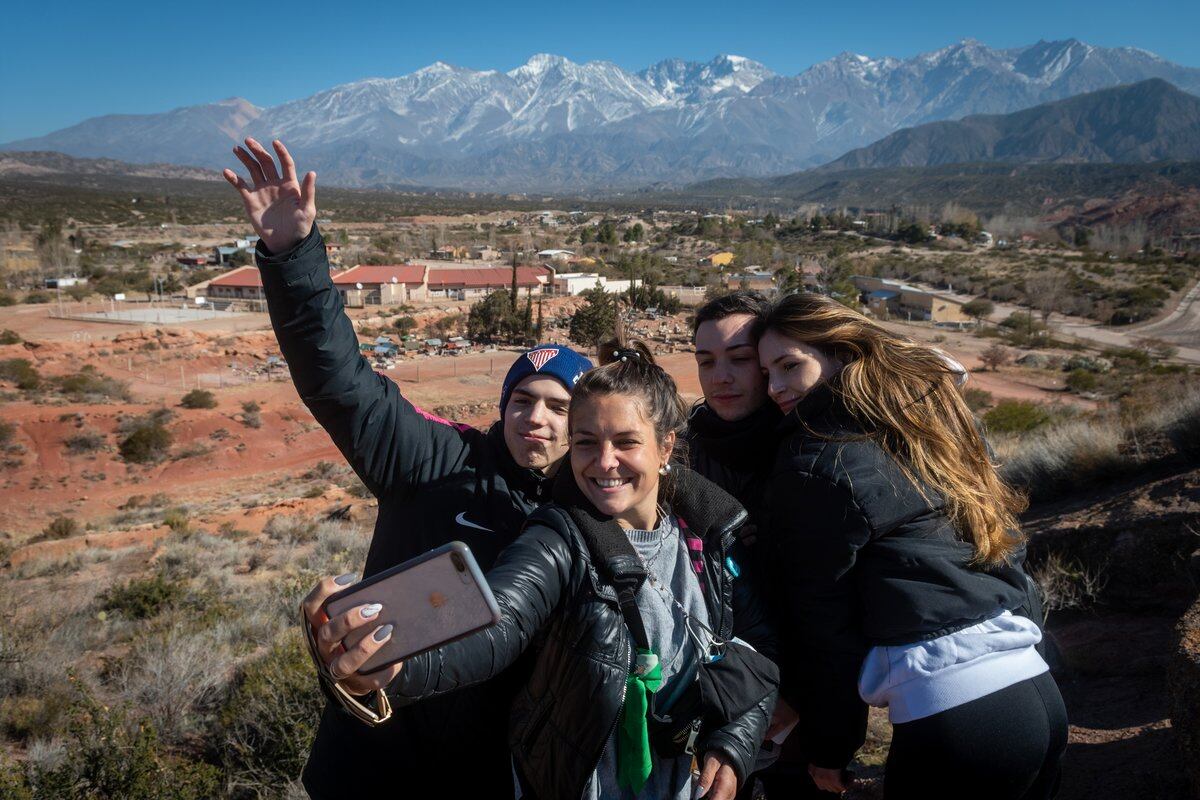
{"points": [[611, 552]]}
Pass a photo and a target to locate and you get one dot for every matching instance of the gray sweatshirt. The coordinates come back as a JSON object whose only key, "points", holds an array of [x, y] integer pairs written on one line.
{"points": [[664, 554]]}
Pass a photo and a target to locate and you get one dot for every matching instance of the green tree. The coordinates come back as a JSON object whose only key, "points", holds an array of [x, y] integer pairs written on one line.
{"points": [[596, 319], [492, 317], [913, 233], [607, 234], [979, 308], [635, 233]]}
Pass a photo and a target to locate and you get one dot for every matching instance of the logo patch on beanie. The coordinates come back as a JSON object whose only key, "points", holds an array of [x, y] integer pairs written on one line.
{"points": [[539, 358]]}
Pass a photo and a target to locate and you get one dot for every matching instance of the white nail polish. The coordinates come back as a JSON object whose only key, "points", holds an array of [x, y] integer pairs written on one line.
{"points": [[371, 610]]}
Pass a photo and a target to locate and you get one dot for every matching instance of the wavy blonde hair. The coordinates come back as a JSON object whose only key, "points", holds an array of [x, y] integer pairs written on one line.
{"points": [[905, 396]]}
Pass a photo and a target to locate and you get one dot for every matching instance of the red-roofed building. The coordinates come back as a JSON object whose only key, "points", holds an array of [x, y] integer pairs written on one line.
{"points": [[243, 283], [462, 284], [368, 284]]}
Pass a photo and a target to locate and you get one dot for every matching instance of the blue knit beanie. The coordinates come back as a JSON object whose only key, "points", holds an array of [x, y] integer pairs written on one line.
{"points": [[556, 360]]}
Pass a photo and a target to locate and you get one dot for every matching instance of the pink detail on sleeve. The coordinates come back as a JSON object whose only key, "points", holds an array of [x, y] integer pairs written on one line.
{"points": [[461, 427], [695, 546]]}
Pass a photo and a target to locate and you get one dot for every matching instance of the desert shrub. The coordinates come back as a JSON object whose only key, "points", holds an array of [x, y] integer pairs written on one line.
{"points": [[142, 598], [7, 299], [8, 431], [199, 398], [174, 676], [251, 414], [339, 547], [297, 530], [90, 384], [1128, 357], [191, 450], [8, 336], [146, 445], [37, 298], [177, 520], [269, 718], [977, 399], [20, 372], [109, 755], [156, 500], [1081, 380], [1181, 422], [59, 528], [146, 437], [25, 717], [323, 470], [355, 487], [1067, 455], [86, 441], [1067, 584], [1015, 416]]}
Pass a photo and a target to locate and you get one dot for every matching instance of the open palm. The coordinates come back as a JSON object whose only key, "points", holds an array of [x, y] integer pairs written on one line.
{"points": [[280, 208]]}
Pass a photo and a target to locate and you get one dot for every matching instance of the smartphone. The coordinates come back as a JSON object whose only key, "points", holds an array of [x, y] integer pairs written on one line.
{"points": [[431, 600]]}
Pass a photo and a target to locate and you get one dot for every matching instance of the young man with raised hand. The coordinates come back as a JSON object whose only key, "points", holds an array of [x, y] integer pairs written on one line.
{"points": [[436, 481]]}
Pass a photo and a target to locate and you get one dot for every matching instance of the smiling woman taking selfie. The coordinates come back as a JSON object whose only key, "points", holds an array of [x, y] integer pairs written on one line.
{"points": [[898, 555], [625, 590]]}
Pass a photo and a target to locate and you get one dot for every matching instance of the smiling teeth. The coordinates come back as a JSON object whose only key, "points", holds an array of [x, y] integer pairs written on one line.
{"points": [[608, 483]]}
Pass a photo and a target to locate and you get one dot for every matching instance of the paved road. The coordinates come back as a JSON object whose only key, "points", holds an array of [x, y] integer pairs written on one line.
{"points": [[1181, 327]]}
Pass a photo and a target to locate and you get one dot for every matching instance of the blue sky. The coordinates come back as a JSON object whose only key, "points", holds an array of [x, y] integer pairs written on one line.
{"points": [[62, 64]]}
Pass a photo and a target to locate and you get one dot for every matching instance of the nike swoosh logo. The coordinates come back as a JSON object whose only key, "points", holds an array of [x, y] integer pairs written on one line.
{"points": [[461, 519]]}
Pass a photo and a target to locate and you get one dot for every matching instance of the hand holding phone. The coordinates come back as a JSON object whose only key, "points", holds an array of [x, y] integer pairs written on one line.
{"points": [[429, 601]]}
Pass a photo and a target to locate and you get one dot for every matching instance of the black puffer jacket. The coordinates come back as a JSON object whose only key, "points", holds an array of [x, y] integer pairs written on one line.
{"points": [[737, 456], [436, 481], [865, 560], [553, 597]]}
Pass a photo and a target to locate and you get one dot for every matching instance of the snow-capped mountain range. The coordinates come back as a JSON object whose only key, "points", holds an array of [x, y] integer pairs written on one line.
{"points": [[552, 124]]}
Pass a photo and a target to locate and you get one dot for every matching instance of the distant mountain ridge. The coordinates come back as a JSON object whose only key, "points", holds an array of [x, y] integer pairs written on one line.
{"points": [[554, 125], [1138, 123]]}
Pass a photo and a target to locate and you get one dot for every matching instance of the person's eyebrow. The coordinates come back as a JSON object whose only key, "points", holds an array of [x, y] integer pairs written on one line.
{"points": [[781, 358], [583, 432], [737, 346]]}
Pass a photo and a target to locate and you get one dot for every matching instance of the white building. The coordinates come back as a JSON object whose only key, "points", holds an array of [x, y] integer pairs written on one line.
{"points": [[573, 283]]}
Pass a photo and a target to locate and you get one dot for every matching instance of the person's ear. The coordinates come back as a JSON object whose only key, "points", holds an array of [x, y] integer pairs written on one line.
{"points": [[667, 447]]}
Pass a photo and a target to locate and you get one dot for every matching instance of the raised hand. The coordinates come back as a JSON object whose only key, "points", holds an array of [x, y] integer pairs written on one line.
{"points": [[280, 208]]}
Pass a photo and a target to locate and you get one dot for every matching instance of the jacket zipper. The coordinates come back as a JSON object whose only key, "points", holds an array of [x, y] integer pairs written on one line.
{"points": [[725, 538], [620, 706]]}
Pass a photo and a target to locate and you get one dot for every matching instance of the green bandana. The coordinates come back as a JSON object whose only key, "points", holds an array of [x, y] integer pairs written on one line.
{"points": [[634, 759]]}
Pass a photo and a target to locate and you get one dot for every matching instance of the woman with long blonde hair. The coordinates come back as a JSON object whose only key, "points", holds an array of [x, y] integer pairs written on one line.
{"points": [[899, 566]]}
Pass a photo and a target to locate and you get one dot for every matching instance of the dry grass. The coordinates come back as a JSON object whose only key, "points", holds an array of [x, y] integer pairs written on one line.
{"points": [[1067, 584], [175, 676], [1057, 458], [215, 672]]}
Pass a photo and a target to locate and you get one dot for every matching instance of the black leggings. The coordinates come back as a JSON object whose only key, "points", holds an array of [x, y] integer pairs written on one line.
{"points": [[1007, 745]]}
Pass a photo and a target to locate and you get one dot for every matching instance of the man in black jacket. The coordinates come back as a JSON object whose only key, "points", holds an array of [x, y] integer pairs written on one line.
{"points": [[436, 481], [731, 441]]}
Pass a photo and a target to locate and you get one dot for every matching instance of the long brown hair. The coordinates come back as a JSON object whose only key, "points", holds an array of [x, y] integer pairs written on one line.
{"points": [[904, 396]]}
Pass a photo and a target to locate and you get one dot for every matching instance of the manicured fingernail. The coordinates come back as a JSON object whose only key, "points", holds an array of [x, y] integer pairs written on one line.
{"points": [[382, 633], [371, 610], [342, 580]]}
